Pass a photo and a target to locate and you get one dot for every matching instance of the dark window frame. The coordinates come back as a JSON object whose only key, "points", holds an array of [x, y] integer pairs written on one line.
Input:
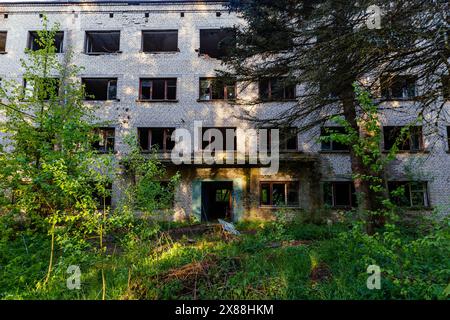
{"points": [[167, 134], [389, 141], [147, 31], [108, 98], [108, 147], [446, 87], [219, 52], [214, 83], [286, 193], [331, 199], [87, 42], [46, 98], [409, 193], [166, 89], [388, 83], [32, 35], [284, 142], [204, 144], [5, 33], [332, 146], [448, 138], [271, 90]]}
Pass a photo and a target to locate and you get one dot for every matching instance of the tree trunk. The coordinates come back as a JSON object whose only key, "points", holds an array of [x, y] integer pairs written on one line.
{"points": [[369, 201]]}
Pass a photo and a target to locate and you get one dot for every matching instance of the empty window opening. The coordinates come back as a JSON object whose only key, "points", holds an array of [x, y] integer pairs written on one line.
{"points": [[158, 89], [398, 87], [3, 41], [217, 89], [111, 15], [41, 88], [216, 43], [448, 137], [339, 194], [103, 199], [100, 88], [102, 42], [228, 136], [276, 89], [409, 193], [279, 194], [217, 200], [288, 139], [445, 87], [5, 16], [104, 139], [164, 194], [35, 43], [159, 139], [182, 14], [330, 144], [407, 139], [160, 41]]}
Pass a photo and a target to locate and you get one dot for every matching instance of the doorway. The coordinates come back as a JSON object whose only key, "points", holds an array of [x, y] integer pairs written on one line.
{"points": [[217, 200]]}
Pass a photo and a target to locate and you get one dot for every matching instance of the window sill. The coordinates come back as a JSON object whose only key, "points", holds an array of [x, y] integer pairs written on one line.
{"points": [[410, 99], [97, 101], [409, 151], [279, 207], [334, 151], [205, 55], [276, 100], [428, 208], [217, 100], [102, 53], [156, 101], [160, 52], [3, 52], [159, 152]]}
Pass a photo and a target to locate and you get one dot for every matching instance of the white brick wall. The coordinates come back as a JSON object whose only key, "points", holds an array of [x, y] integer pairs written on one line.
{"points": [[187, 67]]}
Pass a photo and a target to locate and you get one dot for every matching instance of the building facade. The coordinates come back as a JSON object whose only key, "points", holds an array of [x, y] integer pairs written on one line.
{"points": [[149, 66]]}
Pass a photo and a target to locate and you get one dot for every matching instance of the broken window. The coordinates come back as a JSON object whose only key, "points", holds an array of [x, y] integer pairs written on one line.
{"points": [[3, 41], [330, 145], [165, 195], [159, 40], [103, 199], [409, 193], [216, 43], [276, 89], [279, 193], [158, 89], [156, 138], [227, 134], [41, 88], [339, 194], [398, 87], [217, 89], [35, 43], [410, 140], [446, 87], [100, 88], [102, 42], [288, 140], [448, 137], [104, 140]]}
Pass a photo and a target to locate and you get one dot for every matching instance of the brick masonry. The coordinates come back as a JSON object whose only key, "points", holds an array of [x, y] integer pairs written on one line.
{"points": [[187, 66]]}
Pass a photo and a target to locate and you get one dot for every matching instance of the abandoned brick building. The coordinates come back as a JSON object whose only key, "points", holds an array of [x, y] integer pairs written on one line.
{"points": [[150, 66]]}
